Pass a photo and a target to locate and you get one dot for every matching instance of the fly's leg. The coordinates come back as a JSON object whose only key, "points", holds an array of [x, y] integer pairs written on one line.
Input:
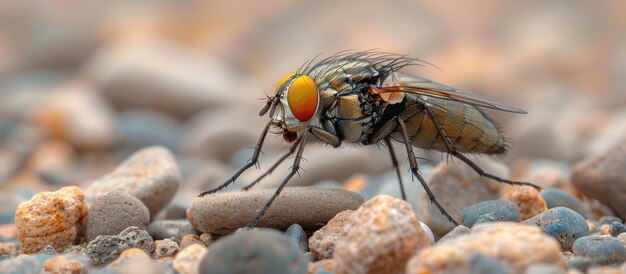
{"points": [[415, 170], [394, 161], [292, 149], [452, 150], [294, 170], [253, 161]]}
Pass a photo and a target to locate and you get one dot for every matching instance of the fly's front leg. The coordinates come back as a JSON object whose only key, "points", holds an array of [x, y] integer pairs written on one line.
{"points": [[452, 150], [292, 149], [253, 161], [415, 170], [394, 161], [326, 136], [294, 170]]}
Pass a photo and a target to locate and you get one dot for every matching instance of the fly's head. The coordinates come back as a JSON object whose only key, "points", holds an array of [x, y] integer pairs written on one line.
{"points": [[294, 104]]}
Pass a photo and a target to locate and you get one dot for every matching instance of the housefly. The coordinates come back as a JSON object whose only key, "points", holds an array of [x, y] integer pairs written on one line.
{"points": [[365, 98]]}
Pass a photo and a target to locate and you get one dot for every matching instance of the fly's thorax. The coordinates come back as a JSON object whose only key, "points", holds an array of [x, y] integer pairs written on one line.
{"points": [[298, 102]]}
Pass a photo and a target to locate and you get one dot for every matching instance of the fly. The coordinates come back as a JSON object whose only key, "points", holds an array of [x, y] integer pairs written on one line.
{"points": [[364, 98]]}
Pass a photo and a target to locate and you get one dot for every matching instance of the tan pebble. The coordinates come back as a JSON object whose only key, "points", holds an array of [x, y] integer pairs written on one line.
{"points": [[134, 260], [355, 184], [510, 243], [604, 229], [7, 249], [8, 232], [165, 248], [528, 200], [325, 265], [61, 264], [187, 261], [53, 218], [190, 239], [322, 242], [207, 239], [592, 227], [379, 237]]}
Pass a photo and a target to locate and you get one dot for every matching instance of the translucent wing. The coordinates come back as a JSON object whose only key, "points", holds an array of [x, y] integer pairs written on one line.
{"points": [[402, 82]]}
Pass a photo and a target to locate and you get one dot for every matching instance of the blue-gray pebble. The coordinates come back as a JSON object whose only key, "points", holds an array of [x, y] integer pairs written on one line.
{"points": [[581, 263], [602, 250], [607, 220], [24, 264], [479, 263], [555, 197], [298, 236], [616, 228], [490, 211], [562, 223], [255, 252]]}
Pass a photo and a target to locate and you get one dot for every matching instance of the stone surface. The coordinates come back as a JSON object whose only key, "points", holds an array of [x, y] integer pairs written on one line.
{"points": [[63, 264], [163, 229], [54, 218], [113, 212], [490, 211], [150, 174], [379, 238], [580, 263], [607, 220], [616, 228], [207, 239], [321, 267], [254, 251], [223, 213], [604, 178], [544, 268], [106, 248], [429, 233], [601, 250], [622, 238], [459, 230], [165, 248], [135, 260], [528, 201], [479, 263], [322, 242], [518, 246], [555, 197], [456, 187], [564, 224], [24, 263], [190, 239], [187, 261], [298, 236]]}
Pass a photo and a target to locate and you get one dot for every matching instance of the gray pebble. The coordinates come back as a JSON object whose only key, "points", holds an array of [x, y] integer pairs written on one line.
{"points": [[223, 213], [544, 269], [581, 263], [24, 264], [490, 211], [564, 224], [616, 229], [607, 220], [298, 236], [459, 230], [113, 212], [555, 197], [48, 250], [602, 250], [170, 228], [142, 128], [622, 238], [255, 252], [479, 263], [107, 248]]}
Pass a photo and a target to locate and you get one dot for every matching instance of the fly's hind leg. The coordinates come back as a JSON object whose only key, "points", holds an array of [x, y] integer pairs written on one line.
{"points": [[452, 150], [394, 161], [415, 170]]}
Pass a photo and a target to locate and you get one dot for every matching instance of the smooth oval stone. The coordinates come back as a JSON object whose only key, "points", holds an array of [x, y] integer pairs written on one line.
{"points": [[255, 251], [601, 250], [555, 197], [490, 211], [616, 228], [113, 212], [564, 224], [298, 236], [223, 213]]}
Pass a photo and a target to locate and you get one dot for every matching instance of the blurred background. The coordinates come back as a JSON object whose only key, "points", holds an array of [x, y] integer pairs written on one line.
{"points": [[83, 84]]}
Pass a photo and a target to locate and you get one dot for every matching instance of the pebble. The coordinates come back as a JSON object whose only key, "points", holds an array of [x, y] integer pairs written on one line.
{"points": [[140, 128], [528, 201], [190, 239], [429, 233], [106, 248], [555, 197], [506, 242], [581, 263], [479, 263], [603, 177], [165, 248], [602, 250], [562, 223], [544, 268], [379, 238], [607, 220], [164, 229], [233, 253], [456, 187], [113, 212], [48, 250], [322, 242], [490, 211], [207, 239], [150, 174], [187, 261], [50, 218], [458, 231], [63, 264], [616, 228], [223, 213], [135, 260], [622, 238], [7, 249], [298, 236], [25, 263], [321, 267]]}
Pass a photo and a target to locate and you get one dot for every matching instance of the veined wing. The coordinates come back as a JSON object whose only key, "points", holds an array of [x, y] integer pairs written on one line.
{"points": [[402, 82]]}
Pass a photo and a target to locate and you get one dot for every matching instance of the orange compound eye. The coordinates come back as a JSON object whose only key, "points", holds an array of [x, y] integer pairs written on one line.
{"points": [[303, 97], [282, 81]]}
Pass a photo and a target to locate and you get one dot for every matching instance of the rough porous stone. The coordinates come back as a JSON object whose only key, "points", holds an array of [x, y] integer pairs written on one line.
{"points": [[528, 201], [50, 218], [107, 247], [322, 242], [603, 177], [223, 213], [602, 250], [150, 174], [379, 238], [490, 211], [510, 243], [164, 229], [555, 197], [298, 236], [254, 251], [187, 261], [113, 212], [562, 223], [165, 248]]}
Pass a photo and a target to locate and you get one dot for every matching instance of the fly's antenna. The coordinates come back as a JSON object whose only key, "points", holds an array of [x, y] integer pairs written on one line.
{"points": [[270, 101]]}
